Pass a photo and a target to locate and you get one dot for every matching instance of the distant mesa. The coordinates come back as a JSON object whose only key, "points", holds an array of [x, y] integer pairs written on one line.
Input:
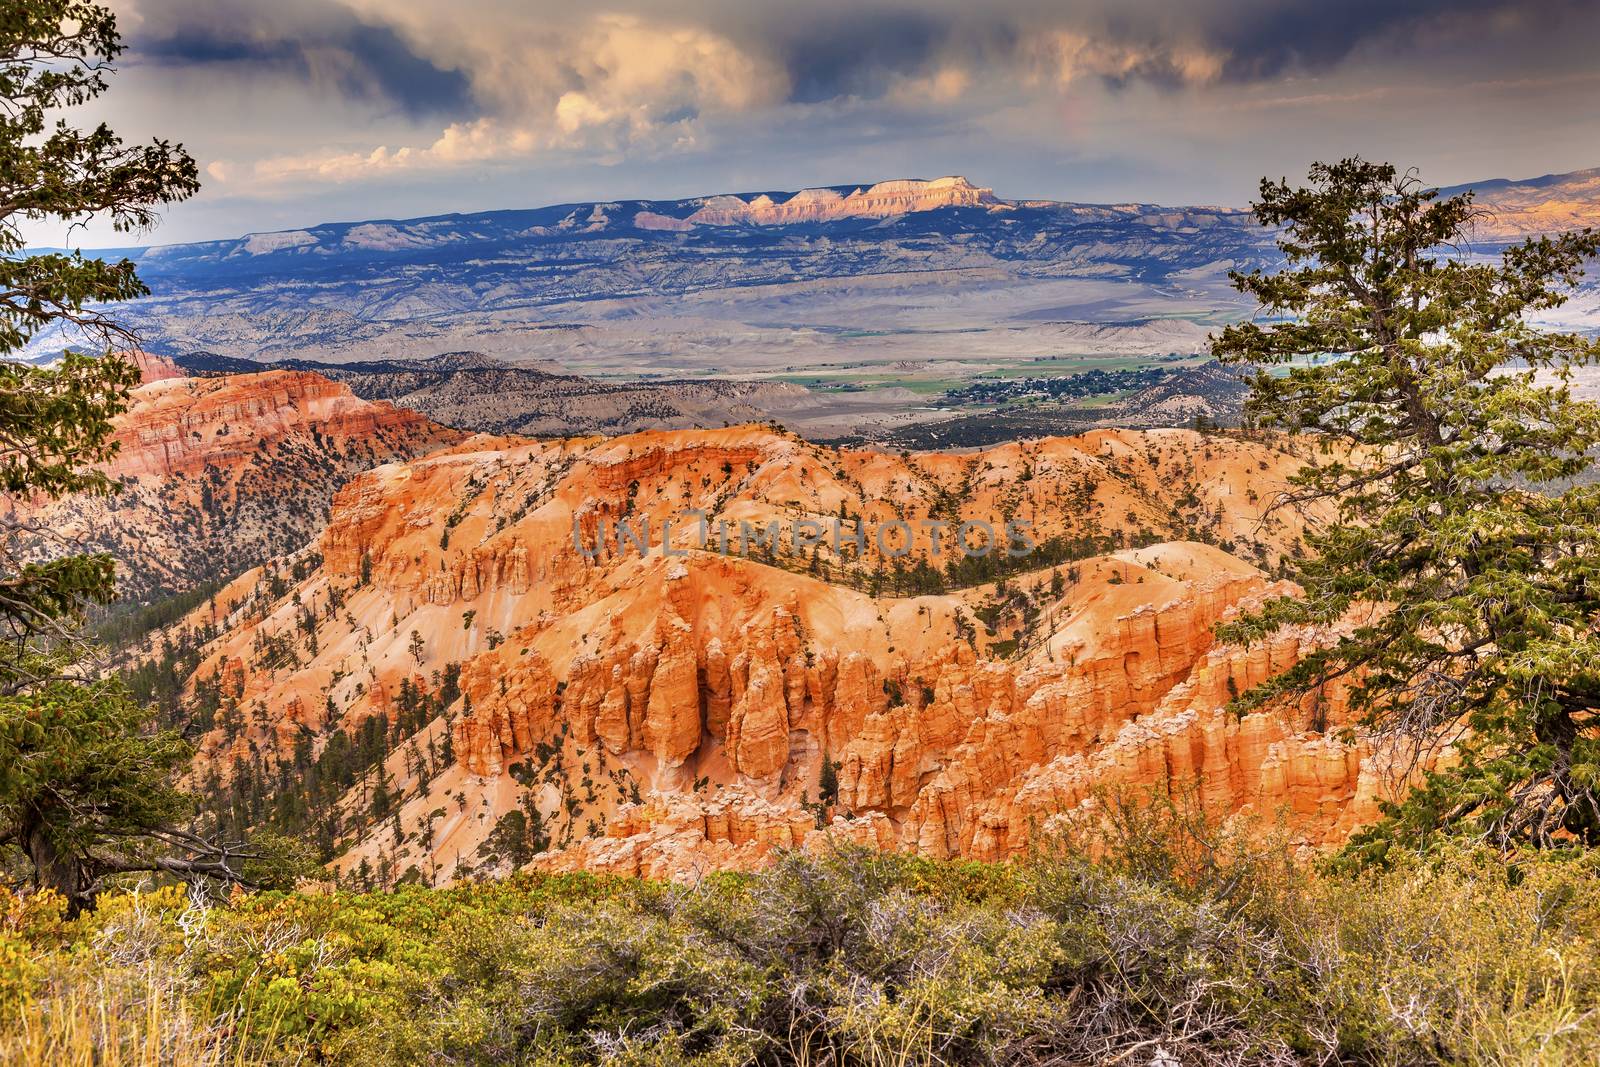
{"points": [[883, 200], [650, 220]]}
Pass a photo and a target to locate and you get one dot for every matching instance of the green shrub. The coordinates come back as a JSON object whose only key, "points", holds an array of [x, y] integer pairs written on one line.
{"points": [[1159, 939]]}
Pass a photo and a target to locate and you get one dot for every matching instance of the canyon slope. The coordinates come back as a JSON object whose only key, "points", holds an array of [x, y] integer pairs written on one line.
{"points": [[472, 669], [472, 391], [221, 474]]}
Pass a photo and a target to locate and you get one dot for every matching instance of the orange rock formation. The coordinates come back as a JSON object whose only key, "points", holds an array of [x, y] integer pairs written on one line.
{"points": [[665, 715], [189, 425]]}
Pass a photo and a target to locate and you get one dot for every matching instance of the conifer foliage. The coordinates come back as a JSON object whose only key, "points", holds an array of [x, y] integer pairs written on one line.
{"points": [[1462, 575], [85, 785]]}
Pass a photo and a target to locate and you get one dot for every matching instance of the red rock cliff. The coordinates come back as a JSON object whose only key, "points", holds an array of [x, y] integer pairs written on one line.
{"points": [[222, 473]]}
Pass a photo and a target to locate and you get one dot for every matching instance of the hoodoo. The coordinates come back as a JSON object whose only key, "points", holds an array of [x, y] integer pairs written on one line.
{"points": [[662, 714]]}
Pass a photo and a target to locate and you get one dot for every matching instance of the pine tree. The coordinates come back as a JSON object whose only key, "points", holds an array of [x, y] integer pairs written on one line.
{"points": [[55, 423], [828, 781], [85, 785], [1464, 561]]}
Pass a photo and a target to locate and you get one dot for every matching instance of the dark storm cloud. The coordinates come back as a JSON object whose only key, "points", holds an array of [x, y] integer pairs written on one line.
{"points": [[307, 41], [858, 53], [835, 49], [828, 49], [1276, 39]]}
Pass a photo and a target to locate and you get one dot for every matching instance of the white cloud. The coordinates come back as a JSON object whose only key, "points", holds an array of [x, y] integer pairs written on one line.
{"points": [[944, 85], [606, 85], [1066, 56]]}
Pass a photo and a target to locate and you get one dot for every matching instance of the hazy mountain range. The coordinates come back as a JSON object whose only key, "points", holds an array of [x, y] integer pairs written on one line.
{"points": [[758, 282], [841, 311], [670, 286]]}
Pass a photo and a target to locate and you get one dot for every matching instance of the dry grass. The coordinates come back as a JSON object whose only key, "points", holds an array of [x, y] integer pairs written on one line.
{"points": [[136, 1018], [119, 992]]}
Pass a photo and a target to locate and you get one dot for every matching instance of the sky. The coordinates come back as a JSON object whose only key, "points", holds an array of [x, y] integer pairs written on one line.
{"points": [[308, 111]]}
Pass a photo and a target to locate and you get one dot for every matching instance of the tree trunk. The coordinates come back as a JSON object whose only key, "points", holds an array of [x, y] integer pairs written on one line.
{"points": [[54, 869]]}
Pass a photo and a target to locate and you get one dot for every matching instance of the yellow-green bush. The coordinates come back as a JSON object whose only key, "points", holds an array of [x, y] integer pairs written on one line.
{"points": [[1151, 951]]}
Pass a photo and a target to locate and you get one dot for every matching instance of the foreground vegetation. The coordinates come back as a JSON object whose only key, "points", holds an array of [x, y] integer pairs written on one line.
{"points": [[1173, 945]]}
